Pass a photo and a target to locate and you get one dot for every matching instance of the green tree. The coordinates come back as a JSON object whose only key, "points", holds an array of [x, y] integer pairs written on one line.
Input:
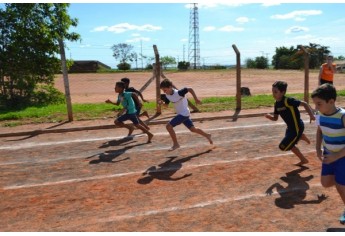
{"points": [[250, 63], [168, 60], [124, 53], [29, 35], [183, 65], [261, 62]]}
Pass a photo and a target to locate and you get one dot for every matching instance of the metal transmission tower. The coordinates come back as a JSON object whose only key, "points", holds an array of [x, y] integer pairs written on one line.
{"points": [[194, 44]]}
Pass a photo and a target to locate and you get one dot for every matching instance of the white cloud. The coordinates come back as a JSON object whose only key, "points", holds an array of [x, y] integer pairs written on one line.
{"points": [[209, 28], [270, 3], [184, 40], [138, 39], [208, 4], [297, 15], [123, 27], [243, 20], [296, 29], [230, 28]]}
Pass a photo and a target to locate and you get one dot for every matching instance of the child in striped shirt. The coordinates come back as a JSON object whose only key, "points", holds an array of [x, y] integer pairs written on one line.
{"points": [[331, 135]]}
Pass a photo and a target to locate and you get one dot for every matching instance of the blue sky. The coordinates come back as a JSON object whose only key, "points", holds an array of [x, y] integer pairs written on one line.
{"points": [[255, 28]]}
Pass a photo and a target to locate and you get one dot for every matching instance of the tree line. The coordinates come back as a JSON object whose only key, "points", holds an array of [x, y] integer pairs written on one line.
{"points": [[293, 58]]}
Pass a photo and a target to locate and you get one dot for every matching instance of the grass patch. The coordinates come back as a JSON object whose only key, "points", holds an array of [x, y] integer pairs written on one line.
{"points": [[58, 113]]}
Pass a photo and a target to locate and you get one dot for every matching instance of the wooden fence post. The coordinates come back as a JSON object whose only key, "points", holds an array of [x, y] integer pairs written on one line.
{"points": [[306, 74], [158, 80], [238, 77], [65, 79]]}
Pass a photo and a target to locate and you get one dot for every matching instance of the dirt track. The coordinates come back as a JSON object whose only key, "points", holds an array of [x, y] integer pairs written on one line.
{"points": [[100, 181], [88, 88]]}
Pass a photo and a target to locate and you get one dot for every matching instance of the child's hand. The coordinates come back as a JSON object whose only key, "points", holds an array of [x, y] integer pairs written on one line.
{"points": [[197, 101], [107, 101], [312, 117], [268, 116]]}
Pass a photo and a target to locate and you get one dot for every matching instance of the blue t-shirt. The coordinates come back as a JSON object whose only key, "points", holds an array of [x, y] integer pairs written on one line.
{"points": [[127, 102]]}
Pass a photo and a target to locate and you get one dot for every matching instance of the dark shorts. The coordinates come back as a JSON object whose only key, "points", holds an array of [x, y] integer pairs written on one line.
{"points": [[337, 169], [131, 117], [291, 138], [179, 119], [322, 81]]}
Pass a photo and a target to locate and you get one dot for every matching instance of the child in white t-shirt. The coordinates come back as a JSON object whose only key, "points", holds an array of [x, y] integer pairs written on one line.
{"points": [[177, 97]]}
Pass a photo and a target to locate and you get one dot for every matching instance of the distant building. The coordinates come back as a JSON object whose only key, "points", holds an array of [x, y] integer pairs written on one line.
{"points": [[87, 67], [340, 66]]}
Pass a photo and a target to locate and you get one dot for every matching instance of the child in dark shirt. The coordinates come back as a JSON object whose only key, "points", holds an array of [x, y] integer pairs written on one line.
{"points": [[287, 108]]}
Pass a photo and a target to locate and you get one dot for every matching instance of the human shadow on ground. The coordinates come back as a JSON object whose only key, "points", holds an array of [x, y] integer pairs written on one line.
{"points": [[335, 230], [110, 155], [296, 190], [37, 132], [167, 169]]}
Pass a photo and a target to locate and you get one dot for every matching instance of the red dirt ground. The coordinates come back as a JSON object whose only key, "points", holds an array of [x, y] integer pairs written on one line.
{"points": [[100, 181], [88, 88], [97, 180]]}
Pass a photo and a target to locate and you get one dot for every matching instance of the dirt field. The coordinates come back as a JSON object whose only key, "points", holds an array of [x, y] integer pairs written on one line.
{"points": [[101, 181], [89, 88]]}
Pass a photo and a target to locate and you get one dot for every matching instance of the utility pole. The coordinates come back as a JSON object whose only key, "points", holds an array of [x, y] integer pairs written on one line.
{"points": [[141, 54], [194, 44]]}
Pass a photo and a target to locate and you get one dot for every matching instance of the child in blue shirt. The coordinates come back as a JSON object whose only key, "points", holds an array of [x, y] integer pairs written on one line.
{"points": [[126, 99], [331, 136]]}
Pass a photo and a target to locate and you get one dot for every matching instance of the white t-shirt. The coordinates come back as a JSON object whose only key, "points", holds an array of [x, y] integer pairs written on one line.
{"points": [[180, 101]]}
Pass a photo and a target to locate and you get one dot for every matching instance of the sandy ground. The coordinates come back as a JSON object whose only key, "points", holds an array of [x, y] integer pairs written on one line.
{"points": [[89, 88], [100, 180]]}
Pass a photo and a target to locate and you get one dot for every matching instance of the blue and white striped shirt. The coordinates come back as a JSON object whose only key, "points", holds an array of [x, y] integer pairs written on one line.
{"points": [[333, 131]]}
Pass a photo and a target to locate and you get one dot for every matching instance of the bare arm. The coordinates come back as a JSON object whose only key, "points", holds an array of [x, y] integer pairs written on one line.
{"points": [[309, 110], [272, 118], [318, 143], [136, 100], [197, 101], [115, 103]]}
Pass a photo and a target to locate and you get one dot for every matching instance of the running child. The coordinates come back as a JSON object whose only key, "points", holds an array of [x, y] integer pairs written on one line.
{"points": [[183, 113], [331, 135], [126, 99], [138, 93], [287, 108]]}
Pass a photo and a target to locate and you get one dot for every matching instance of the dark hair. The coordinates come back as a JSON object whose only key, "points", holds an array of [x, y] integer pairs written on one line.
{"points": [[120, 84], [325, 92], [280, 85], [165, 83], [125, 80]]}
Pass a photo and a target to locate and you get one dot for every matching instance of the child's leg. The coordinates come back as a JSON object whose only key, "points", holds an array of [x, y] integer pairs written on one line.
{"points": [[145, 114], [142, 123], [172, 133], [298, 153], [341, 191], [142, 128], [201, 132], [123, 125], [305, 138]]}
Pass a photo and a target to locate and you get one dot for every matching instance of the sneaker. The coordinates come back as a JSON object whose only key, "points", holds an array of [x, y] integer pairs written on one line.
{"points": [[342, 218]]}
